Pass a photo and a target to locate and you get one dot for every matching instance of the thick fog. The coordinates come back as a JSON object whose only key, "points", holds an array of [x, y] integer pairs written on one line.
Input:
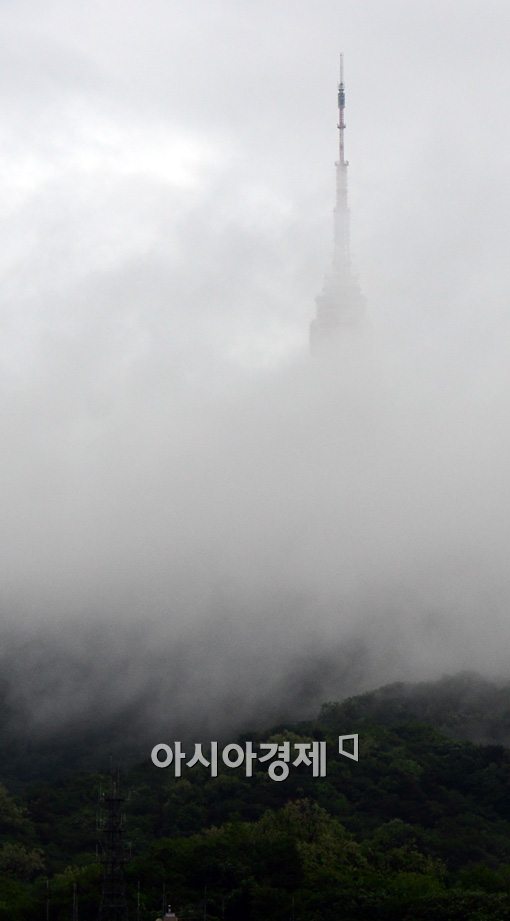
{"points": [[199, 522]]}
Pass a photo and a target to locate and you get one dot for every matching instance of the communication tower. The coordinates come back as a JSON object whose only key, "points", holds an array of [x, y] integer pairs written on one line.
{"points": [[340, 304]]}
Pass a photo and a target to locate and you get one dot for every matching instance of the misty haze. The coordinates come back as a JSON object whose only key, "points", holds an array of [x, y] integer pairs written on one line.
{"points": [[195, 511]]}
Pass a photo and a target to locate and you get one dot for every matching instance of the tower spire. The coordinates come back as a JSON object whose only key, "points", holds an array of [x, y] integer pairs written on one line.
{"points": [[341, 302]]}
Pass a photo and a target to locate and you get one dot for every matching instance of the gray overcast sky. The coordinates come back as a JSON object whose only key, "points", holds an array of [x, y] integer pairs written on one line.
{"points": [[167, 184], [182, 152]]}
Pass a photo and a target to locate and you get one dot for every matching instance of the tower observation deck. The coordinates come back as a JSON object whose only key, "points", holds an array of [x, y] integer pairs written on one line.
{"points": [[340, 304]]}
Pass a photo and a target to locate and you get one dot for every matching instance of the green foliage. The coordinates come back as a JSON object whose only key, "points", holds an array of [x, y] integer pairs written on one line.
{"points": [[17, 902], [418, 829], [12, 816], [20, 863]]}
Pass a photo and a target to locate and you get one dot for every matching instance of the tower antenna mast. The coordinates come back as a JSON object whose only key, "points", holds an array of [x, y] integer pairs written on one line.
{"points": [[341, 114]]}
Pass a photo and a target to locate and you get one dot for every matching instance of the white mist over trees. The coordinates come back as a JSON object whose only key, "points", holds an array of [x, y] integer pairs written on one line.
{"points": [[192, 510]]}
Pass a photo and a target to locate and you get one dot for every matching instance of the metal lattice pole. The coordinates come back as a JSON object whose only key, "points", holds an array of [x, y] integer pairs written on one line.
{"points": [[113, 905]]}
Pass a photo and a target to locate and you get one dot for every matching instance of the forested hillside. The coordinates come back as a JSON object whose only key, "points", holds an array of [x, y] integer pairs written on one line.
{"points": [[418, 828]]}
